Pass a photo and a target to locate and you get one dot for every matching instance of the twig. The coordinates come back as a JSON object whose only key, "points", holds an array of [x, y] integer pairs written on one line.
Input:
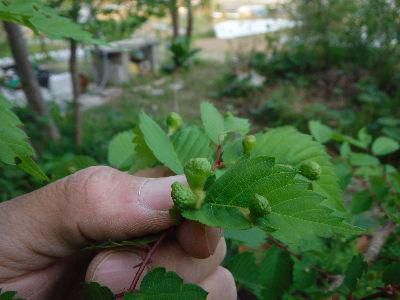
{"points": [[218, 160], [389, 292], [285, 248], [146, 261], [143, 264], [378, 240]]}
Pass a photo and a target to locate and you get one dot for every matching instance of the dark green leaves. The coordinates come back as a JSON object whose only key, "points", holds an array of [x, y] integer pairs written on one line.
{"points": [[7, 295], [160, 284], [41, 18], [297, 213], [288, 146], [391, 274], [245, 271], [95, 291], [270, 279], [354, 271], [276, 274], [158, 141], [14, 146]]}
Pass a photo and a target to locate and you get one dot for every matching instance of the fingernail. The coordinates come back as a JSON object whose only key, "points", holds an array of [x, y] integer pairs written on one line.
{"points": [[213, 236], [155, 193], [114, 269]]}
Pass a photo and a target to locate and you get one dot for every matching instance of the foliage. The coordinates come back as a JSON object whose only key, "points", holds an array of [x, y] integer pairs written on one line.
{"points": [[157, 284], [42, 19], [14, 146], [182, 54]]}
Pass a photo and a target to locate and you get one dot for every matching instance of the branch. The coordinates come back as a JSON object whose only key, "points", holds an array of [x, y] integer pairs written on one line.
{"points": [[378, 240], [143, 264], [218, 160], [389, 292]]}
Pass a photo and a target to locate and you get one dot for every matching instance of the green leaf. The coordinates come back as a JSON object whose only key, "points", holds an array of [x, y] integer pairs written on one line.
{"points": [[14, 144], [253, 237], [8, 295], [191, 142], [235, 124], [245, 271], [363, 160], [384, 145], [391, 274], [28, 165], [288, 146], [230, 194], [304, 276], [138, 242], [297, 212], [143, 157], [361, 202], [95, 291], [320, 132], [213, 122], [354, 271], [233, 150], [71, 164], [121, 150], [159, 143], [41, 18], [219, 215], [160, 284], [276, 273]]}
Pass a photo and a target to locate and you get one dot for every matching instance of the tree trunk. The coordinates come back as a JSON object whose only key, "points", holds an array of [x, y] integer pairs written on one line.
{"points": [[75, 92], [174, 18], [27, 76], [189, 23]]}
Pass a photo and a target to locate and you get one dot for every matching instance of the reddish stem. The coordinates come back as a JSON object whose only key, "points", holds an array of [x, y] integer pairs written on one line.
{"points": [[387, 292], [218, 160], [143, 265]]}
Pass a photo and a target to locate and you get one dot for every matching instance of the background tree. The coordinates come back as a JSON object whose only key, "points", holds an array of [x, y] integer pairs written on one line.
{"points": [[29, 82]]}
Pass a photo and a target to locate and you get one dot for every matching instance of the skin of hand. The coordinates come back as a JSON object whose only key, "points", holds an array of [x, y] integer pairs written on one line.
{"points": [[42, 235]]}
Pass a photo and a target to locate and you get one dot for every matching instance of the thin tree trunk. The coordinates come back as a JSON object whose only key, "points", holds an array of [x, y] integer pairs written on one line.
{"points": [[189, 22], [27, 76], [174, 18], [75, 91]]}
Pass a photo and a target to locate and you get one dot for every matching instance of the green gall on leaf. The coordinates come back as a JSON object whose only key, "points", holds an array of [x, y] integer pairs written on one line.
{"points": [[197, 170], [259, 207], [174, 122], [228, 114], [182, 196], [311, 170], [249, 142]]}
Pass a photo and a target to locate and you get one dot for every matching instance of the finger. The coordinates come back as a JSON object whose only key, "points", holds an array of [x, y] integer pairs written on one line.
{"points": [[97, 203], [197, 239], [117, 268], [220, 285]]}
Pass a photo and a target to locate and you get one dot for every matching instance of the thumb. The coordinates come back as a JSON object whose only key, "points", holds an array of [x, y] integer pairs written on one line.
{"points": [[98, 203]]}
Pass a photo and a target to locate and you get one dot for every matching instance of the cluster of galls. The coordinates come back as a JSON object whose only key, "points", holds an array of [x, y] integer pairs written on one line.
{"points": [[197, 170]]}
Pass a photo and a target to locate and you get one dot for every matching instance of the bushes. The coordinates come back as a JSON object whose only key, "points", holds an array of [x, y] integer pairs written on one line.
{"points": [[351, 35]]}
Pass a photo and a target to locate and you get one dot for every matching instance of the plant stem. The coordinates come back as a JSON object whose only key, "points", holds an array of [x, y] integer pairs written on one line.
{"points": [[143, 265], [218, 160]]}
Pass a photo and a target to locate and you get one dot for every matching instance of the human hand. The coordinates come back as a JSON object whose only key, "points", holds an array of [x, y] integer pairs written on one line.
{"points": [[42, 235]]}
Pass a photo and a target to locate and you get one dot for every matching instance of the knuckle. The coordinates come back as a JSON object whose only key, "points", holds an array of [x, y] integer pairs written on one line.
{"points": [[89, 186]]}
